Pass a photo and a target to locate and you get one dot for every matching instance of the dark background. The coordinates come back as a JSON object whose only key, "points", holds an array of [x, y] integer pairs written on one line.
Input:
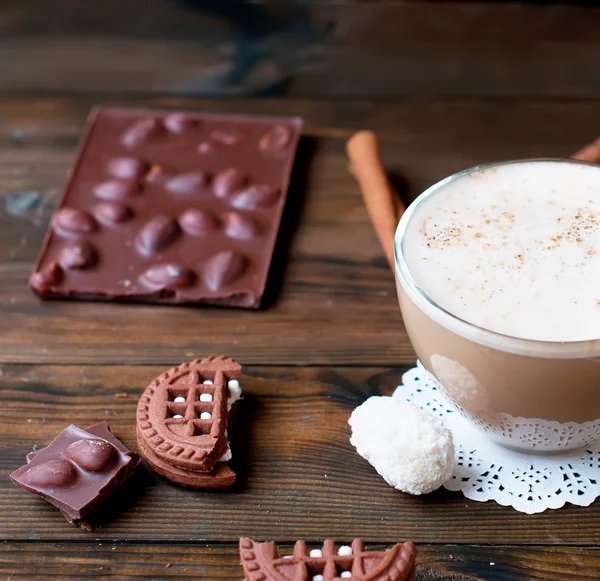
{"points": [[342, 49]]}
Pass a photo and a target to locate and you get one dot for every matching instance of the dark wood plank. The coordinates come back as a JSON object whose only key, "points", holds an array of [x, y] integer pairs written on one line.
{"points": [[200, 561], [337, 296], [337, 303], [421, 49], [342, 49], [298, 474]]}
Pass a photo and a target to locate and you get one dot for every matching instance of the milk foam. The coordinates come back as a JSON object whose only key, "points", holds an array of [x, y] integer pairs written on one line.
{"points": [[514, 249]]}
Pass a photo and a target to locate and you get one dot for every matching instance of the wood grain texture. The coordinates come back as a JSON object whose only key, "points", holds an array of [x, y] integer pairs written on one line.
{"points": [[208, 562], [337, 303], [297, 473], [338, 49], [446, 85]]}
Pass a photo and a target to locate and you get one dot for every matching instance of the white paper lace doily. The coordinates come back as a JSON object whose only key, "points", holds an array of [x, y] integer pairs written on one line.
{"points": [[530, 483]]}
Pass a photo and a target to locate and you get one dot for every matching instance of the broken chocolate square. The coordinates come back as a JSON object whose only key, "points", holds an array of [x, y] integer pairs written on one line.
{"points": [[78, 470]]}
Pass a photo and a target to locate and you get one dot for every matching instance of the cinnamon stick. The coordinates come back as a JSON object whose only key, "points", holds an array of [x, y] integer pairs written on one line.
{"points": [[590, 152], [383, 203]]}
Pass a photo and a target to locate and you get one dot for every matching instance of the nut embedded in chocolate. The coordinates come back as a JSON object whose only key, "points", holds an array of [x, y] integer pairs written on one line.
{"points": [[229, 181], [73, 222], [125, 167], [276, 139], [223, 268], [45, 279], [197, 222], [179, 122], [55, 473], [77, 254], [156, 235], [239, 226], [111, 213], [168, 276], [254, 197], [187, 183], [117, 189], [91, 454], [141, 132]]}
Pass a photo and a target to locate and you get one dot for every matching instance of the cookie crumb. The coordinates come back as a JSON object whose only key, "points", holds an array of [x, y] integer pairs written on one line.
{"points": [[121, 395]]}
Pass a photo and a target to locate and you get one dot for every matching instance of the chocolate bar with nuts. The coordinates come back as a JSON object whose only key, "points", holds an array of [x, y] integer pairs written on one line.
{"points": [[167, 207]]}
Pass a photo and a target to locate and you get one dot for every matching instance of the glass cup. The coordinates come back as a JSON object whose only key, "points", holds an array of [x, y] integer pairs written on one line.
{"points": [[533, 396]]}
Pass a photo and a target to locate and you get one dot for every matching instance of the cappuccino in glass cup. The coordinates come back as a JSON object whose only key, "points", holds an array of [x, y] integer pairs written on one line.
{"points": [[498, 278]]}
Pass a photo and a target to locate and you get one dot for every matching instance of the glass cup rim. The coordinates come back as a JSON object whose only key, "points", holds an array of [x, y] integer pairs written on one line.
{"points": [[532, 347]]}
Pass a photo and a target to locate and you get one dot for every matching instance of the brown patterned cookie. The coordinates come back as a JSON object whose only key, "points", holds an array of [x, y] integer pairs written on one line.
{"points": [[182, 420], [261, 562], [221, 477]]}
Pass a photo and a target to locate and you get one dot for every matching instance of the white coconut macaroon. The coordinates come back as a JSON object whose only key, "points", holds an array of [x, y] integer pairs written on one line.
{"points": [[410, 448]]}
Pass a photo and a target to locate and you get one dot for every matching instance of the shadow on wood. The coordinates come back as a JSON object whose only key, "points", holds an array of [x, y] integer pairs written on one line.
{"points": [[290, 219]]}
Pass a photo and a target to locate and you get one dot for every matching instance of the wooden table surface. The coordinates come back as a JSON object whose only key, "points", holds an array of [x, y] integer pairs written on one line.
{"points": [[446, 86]]}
